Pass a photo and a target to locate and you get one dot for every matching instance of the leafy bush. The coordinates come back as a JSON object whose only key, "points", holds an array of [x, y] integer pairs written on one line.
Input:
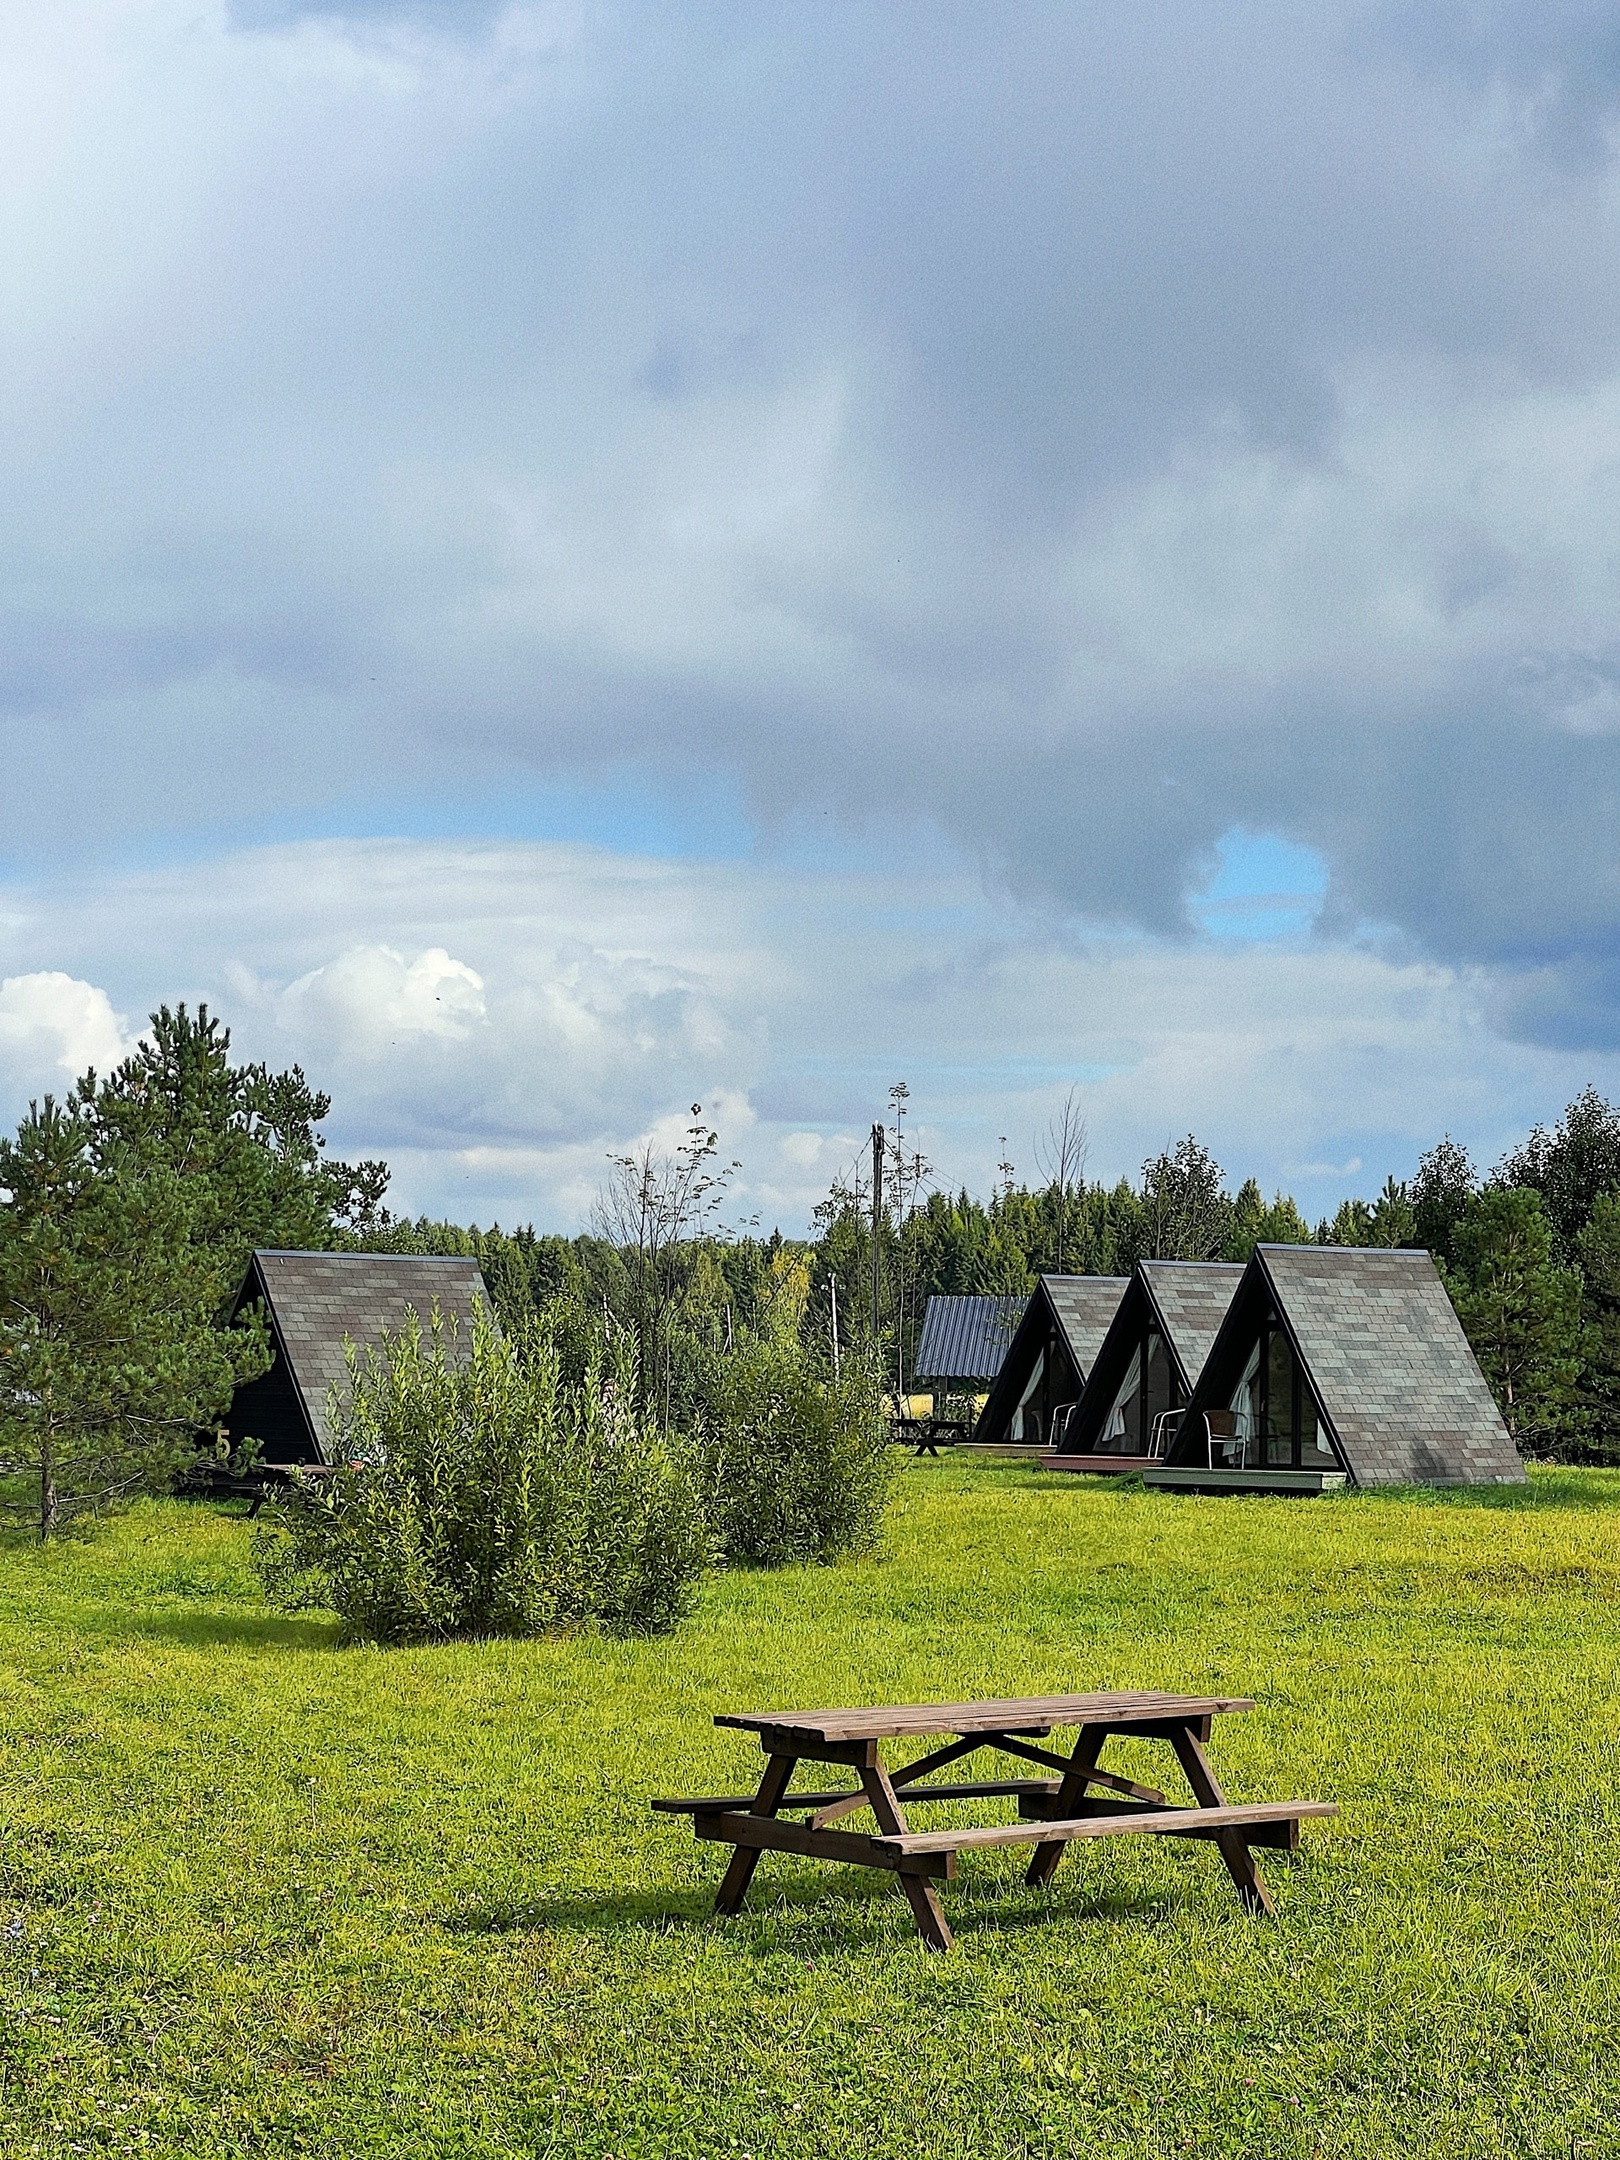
{"points": [[478, 1493], [794, 1467]]}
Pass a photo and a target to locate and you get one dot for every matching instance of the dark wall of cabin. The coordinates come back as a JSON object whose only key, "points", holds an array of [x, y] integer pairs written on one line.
{"points": [[267, 1410]]}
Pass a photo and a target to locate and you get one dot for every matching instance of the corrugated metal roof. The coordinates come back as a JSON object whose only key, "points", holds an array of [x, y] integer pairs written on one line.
{"points": [[1391, 1365], [319, 1301], [966, 1338]]}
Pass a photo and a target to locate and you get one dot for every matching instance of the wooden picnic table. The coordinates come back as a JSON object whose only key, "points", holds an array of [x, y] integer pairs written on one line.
{"points": [[1076, 1799]]}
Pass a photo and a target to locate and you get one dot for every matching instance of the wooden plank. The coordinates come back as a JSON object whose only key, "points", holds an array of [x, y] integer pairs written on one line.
{"points": [[813, 1746], [1114, 1822], [764, 1833], [847, 1803], [1071, 1802], [1024, 1714], [1240, 1861], [734, 1885], [977, 1789], [891, 1822]]}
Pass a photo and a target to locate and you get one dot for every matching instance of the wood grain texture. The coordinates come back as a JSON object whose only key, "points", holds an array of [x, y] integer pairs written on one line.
{"points": [[1031, 1715], [1124, 1822]]}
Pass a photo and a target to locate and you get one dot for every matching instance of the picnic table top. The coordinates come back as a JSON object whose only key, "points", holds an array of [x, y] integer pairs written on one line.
{"points": [[1026, 1714]]}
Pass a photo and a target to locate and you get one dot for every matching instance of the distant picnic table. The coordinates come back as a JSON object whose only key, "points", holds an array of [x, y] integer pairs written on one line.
{"points": [[1075, 1799], [925, 1436]]}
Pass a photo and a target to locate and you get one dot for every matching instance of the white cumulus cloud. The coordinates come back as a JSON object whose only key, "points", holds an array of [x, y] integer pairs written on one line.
{"points": [[52, 1027]]}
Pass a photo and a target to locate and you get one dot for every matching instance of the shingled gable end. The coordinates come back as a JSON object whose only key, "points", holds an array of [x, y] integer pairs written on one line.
{"points": [[1048, 1358], [318, 1302], [1163, 1325], [1380, 1357]]}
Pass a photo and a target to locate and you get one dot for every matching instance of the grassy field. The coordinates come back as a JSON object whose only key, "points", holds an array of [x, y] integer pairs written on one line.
{"points": [[261, 1895]]}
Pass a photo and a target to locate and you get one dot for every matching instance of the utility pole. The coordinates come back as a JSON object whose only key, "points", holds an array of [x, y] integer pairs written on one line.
{"points": [[832, 1284], [877, 1218]]}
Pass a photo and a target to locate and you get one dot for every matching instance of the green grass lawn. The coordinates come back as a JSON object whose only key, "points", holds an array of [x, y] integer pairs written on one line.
{"points": [[262, 1895]]}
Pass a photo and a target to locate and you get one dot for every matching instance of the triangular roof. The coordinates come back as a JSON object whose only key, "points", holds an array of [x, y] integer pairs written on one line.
{"points": [[1084, 1307], [318, 1301], [966, 1338], [1396, 1383], [1186, 1300], [1190, 1299], [1079, 1309]]}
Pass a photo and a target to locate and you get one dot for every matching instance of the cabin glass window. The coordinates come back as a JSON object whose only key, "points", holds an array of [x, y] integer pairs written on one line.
{"points": [[1160, 1392], [1279, 1403]]}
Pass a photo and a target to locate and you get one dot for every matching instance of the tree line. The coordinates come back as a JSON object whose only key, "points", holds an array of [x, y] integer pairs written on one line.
{"points": [[129, 1209]]}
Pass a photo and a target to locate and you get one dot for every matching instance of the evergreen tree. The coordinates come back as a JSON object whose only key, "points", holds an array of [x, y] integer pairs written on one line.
{"points": [[1598, 1251], [1522, 1313], [109, 1359], [1254, 1223], [245, 1140]]}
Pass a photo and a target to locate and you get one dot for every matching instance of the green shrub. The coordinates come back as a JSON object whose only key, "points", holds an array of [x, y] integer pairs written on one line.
{"points": [[794, 1467], [478, 1493]]}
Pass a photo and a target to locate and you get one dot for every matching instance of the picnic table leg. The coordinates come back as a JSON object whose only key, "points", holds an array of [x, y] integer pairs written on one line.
{"points": [[1239, 1858], [1071, 1795], [779, 1771], [891, 1821]]}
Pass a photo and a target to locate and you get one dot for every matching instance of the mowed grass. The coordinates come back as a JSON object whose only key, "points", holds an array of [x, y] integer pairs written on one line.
{"points": [[263, 1895]]}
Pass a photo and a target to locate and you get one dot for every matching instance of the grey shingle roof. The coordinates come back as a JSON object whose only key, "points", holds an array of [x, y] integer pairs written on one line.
{"points": [[1085, 1306], [319, 1300], [966, 1338], [1191, 1298], [1391, 1365]]}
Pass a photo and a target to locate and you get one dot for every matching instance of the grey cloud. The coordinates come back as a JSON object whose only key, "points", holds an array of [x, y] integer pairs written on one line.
{"points": [[1015, 419]]}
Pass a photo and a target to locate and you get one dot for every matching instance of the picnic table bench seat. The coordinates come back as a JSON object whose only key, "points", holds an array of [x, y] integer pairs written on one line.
{"points": [[1082, 1801]]}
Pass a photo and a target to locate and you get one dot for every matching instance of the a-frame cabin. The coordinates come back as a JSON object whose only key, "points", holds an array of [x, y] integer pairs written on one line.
{"points": [[1339, 1365], [1144, 1370], [316, 1303], [1045, 1367]]}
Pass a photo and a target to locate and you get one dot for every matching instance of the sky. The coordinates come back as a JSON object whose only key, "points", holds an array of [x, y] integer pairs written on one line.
{"points": [[559, 561]]}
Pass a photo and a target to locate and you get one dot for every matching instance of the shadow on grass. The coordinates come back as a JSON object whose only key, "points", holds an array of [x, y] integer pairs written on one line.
{"points": [[270, 1633], [842, 1908], [1553, 1486]]}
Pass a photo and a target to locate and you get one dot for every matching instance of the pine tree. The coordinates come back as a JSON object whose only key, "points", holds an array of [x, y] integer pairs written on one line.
{"points": [[1522, 1313], [109, 1359]]}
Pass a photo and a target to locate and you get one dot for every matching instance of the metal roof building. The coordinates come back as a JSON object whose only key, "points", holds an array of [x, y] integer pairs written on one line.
{"points": [[318, 1302], [1048, 1359], [1336, 1364], [966, 1338]]}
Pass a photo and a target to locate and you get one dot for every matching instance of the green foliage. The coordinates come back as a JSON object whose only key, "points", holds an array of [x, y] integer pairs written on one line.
{"points": [[243, 1138], [478, 1494], [794, 1467], [1442, 1194], [109, 1361], [1597, 1249], [1253, 1223], [1387, 1223], [1571, 1167], [1522, 1313], [263, 1900], [1186, 1212]]}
